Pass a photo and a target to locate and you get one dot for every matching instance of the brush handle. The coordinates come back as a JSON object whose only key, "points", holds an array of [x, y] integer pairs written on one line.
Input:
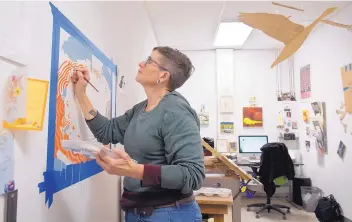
{"points": [[91, 84]]}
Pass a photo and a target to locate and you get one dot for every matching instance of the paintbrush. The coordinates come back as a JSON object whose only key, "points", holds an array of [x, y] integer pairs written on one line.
{"points": [[90, 84]]}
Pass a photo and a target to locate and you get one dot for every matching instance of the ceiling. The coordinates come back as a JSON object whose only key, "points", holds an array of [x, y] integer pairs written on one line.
{"points": [[192, 25]]}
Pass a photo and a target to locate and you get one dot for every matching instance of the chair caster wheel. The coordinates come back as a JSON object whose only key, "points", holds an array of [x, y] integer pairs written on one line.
{"points": [[248, 209], [257, 216], [284, 217]]}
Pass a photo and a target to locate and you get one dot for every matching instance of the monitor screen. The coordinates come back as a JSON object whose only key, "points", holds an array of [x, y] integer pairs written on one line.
{"points": [[251, 144]]}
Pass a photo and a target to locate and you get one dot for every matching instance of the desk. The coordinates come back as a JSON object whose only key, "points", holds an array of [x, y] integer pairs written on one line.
{"points": [[218, 207], [256, 165]]}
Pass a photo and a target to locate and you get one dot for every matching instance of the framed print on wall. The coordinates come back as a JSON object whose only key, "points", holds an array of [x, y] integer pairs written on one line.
{"points": [[222, 145]]}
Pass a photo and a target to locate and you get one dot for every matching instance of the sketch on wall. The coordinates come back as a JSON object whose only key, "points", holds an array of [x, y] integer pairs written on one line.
{"points": [[72, 49]]}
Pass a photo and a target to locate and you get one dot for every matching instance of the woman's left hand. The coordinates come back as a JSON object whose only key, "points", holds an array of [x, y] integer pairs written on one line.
{"points": [[122, 165]]}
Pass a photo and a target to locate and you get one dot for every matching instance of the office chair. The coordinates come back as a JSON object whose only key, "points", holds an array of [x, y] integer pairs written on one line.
{"points": [[276, 168]]}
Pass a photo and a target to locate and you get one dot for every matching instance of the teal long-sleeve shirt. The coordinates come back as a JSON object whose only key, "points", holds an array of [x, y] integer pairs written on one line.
{"points": [[166, 140]]}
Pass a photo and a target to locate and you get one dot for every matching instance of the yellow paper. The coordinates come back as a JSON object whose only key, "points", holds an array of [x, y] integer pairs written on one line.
{"points": [[37, 91]]}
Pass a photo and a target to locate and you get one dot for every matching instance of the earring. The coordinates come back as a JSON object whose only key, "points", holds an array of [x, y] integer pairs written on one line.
{"points": [[158, 81]]}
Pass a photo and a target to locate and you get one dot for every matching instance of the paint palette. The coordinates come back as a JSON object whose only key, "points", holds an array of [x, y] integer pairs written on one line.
{"points": [[86, 148]]}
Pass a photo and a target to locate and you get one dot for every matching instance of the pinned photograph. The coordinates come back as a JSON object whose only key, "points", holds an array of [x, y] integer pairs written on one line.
{"points": [[307, 145], [341, 149]]}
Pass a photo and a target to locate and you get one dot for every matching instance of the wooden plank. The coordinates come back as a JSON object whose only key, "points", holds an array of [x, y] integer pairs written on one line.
{"points": [[213, 209], [232, 166], [214, 200]]}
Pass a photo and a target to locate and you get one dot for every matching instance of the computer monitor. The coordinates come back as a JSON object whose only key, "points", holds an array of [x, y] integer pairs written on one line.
{"points": [[251, 144]]}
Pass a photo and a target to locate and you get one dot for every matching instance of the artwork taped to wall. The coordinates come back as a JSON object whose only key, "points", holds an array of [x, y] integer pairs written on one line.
{"points": [[226, 104], [6, 161], [305, 116], [204, 118], [71, 48], [16, 97], [346, 74], [341, 149], [252, 117], [305, 82], [233, 147], [319, 126], [36, 97], [227, 127], [307, 142]]}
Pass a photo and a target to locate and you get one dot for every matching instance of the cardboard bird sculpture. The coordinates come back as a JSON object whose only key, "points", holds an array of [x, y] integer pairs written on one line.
{"points": [[282, 29]]}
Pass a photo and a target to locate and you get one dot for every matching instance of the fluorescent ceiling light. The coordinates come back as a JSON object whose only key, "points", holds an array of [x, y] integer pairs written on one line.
{"points": [[232, 34]]}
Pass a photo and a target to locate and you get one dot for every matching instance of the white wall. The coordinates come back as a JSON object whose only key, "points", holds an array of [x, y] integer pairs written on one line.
{"points": [[254, 77], [251, 76], [326, 50], [201, 88], [127, 41]]}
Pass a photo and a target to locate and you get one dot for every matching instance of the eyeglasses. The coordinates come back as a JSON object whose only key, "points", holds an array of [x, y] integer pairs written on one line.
{"points": [[150, 60]]}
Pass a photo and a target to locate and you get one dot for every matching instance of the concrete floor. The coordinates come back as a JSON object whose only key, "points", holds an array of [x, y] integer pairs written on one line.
{"points": [[295, 215]]}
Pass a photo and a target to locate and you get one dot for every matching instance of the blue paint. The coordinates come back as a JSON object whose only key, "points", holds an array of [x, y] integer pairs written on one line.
{"points": [[107, 75], [77, 47], [59, 165], [64, 93], [76, 50]]}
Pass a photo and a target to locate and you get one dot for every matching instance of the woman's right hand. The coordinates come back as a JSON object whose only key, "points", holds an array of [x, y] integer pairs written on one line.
{"points": [[78, 80]]}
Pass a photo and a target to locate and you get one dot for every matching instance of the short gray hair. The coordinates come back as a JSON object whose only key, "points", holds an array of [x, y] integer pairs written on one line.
{"points": [[178, 64]]}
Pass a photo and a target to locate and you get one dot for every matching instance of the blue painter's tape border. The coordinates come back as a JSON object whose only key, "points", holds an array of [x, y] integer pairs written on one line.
{"points": [[55, 181]]}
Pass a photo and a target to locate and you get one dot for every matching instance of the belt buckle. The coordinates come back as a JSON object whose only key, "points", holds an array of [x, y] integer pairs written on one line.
{"points": [[145, 211]]}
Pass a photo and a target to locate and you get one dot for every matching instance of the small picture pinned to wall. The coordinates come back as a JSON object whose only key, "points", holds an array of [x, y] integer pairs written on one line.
{"points": [[294, 125], [288, 114], [305, 82], [316, 108], [308, 131], [252, 117], [203, 118], [227, 127], [307, 145], [341, 150], [233, 147], [305, 116]]}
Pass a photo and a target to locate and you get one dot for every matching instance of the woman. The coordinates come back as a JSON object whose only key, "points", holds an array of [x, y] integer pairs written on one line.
{"points": [[163, 162]]}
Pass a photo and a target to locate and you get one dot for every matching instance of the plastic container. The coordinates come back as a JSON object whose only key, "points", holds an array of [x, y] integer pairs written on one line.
{"points": [[311, 197], [212, 191]]}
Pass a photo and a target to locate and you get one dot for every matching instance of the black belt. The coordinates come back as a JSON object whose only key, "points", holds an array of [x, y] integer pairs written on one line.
{"points": [[148, 211]]}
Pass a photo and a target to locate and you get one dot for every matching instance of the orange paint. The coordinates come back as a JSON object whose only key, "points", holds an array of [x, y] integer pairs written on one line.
{"points": [[61, 121]]}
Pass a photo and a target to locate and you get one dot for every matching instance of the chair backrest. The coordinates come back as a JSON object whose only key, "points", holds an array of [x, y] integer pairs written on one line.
{"points": [[276, 163]]}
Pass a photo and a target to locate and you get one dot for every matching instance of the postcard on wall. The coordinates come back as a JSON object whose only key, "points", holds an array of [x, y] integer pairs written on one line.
{"points": [[305, 82], [252, 117]]}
